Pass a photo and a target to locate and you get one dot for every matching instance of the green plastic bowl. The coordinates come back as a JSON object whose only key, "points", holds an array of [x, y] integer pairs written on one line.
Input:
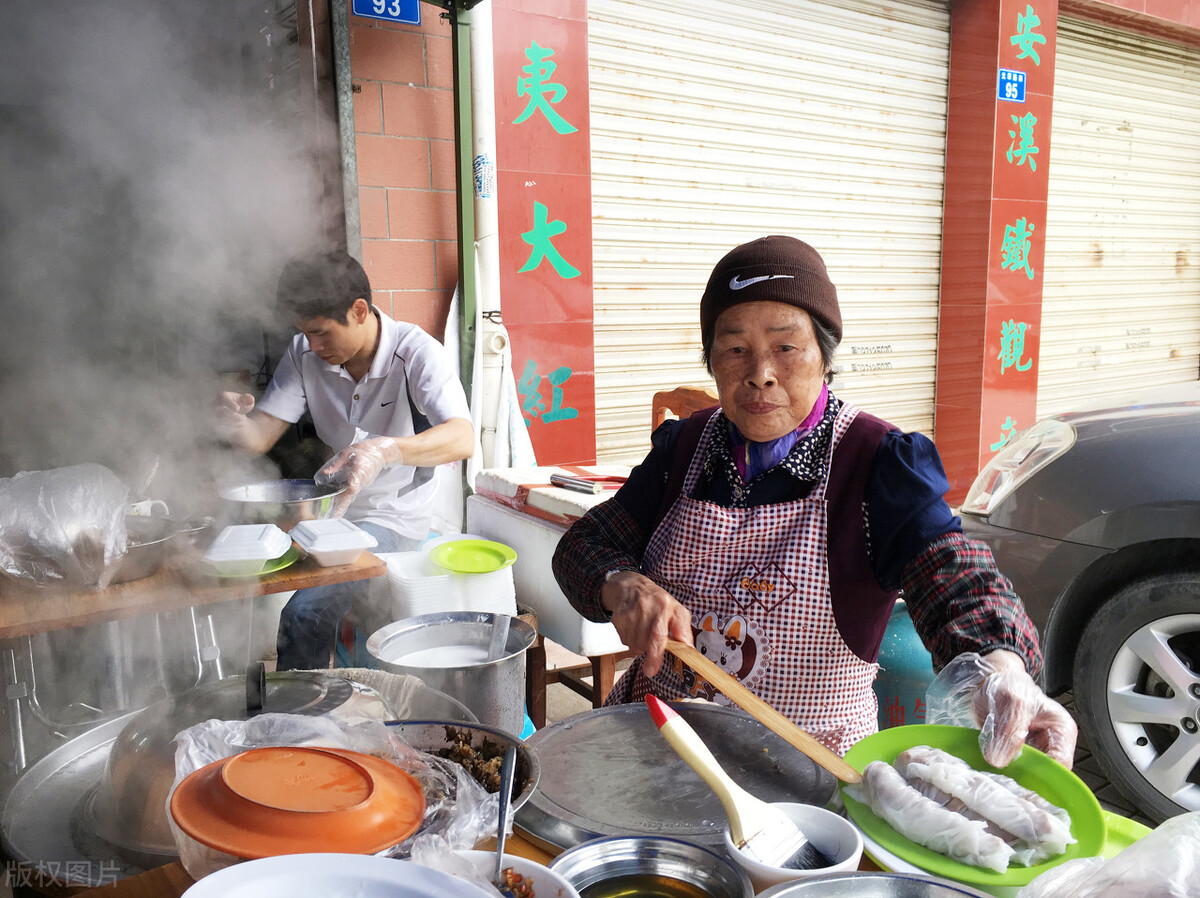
{"points": [[1032, 769]]}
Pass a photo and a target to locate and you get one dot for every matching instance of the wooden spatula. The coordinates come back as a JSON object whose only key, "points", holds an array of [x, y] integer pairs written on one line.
{"points": [[762, 712]]}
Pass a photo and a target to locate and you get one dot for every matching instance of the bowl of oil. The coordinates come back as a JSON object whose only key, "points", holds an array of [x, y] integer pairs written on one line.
{"points": [[656, 867]]}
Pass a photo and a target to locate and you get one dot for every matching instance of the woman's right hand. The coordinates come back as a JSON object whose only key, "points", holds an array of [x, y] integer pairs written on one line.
{"points": [[646, 616]]}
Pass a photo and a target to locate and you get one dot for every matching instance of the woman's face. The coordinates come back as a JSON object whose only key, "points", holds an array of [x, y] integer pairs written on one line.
{"points": [[768, 367]]}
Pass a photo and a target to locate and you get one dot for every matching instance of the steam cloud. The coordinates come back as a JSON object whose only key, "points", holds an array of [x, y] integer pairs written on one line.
{"points": [[157, 172]]}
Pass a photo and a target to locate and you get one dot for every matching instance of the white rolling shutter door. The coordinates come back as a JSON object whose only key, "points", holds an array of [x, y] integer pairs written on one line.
{"points": [[1121, 302], [717, 122]]}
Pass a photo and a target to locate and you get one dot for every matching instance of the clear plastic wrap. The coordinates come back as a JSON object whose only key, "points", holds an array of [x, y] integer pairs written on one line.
{"points": [[1163, 864], [64, 526], [458, 811]]}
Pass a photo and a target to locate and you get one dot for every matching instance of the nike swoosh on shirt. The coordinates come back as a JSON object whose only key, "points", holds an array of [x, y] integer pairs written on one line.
{"points": [[386, 404], [736, 283]]}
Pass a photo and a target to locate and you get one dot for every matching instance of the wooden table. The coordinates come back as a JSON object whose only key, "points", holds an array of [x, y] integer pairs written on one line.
{"points": [[28, 610]]}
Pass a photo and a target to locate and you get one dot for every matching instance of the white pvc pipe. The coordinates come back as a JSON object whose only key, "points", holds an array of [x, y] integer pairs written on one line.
{"points": [[491, 338]]}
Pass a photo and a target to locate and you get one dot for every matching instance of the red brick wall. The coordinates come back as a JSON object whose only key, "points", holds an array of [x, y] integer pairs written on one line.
{"points": [[404, 133]]}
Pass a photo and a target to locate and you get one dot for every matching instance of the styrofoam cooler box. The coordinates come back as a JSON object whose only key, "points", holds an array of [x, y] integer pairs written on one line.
{"points": [[535, 540]]}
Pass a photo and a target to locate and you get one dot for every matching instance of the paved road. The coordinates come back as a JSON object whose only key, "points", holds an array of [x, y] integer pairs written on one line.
{"points": [[1088, 770]]}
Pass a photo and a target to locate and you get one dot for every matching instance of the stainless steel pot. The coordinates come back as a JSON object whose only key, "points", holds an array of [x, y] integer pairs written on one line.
{"points": [[284, 503], [449, 651], [871, 885]]}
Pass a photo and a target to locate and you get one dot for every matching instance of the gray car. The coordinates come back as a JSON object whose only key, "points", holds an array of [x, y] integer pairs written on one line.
{"points": [[1095, 517]]}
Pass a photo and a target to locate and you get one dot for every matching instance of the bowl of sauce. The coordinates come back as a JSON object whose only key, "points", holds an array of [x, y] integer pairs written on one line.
{"points": [[654, 867]]}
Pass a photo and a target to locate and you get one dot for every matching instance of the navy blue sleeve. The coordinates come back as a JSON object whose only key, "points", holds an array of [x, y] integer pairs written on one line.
{"points": [[905, 505], [642, 494]]}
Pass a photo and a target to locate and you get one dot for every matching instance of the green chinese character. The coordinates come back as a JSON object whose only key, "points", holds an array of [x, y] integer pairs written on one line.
{"points": [[537, 87], [1026, 38], [1014, 251], [1026, 149], [1012, 346], [543, 247], [1008, 428]]}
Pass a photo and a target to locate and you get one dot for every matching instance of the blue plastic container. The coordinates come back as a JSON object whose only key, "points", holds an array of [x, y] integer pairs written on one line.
{"points": [[905, 672]]}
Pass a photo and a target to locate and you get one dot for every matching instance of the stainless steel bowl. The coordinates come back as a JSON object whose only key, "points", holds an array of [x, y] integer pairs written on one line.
{"points": [[147, 542], [871, 885], [430, 736], [284, 503], [605, 860]]}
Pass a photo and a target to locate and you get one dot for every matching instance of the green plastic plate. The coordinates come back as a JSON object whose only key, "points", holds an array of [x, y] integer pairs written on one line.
{"points": [[1032, 769], [287, 559], [472, 556]]}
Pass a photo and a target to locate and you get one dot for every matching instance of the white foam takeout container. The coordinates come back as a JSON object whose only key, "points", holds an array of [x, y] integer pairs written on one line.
{"points": [[245, 549], [332, 541]]}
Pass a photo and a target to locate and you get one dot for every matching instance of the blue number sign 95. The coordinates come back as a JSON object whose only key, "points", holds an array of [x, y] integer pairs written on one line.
{"points": [[407, 11], [1011, 85]]}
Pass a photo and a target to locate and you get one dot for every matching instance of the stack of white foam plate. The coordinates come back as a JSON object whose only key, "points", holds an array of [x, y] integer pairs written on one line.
{"points": [[416, 589], [492, 591]]}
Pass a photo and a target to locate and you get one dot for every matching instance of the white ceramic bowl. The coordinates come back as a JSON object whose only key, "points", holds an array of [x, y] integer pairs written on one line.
{"points": [[835, 836], [332, 875], [546, 883]]}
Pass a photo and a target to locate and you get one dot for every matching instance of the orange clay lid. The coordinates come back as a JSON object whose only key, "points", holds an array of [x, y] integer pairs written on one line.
{"points": [[291, 800]]}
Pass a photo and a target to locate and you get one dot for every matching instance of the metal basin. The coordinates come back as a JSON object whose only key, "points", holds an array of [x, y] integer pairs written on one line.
{"points": [[430, 736], [284, 503], [651, 865], [148, 542], [871, 885]]}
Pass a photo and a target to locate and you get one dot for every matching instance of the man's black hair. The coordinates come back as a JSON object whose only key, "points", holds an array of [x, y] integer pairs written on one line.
{"points": [[322, 286]]}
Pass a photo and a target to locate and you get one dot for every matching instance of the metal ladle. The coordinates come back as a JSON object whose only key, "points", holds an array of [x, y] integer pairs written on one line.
{"points": [[508, 773]]}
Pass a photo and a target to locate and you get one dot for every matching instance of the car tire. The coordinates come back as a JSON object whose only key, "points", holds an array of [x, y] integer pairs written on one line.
{"points": [[1137, 692]]}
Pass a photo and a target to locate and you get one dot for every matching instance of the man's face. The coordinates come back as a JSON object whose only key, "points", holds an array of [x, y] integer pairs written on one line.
{"points": [[334, 342], [768, 367]]}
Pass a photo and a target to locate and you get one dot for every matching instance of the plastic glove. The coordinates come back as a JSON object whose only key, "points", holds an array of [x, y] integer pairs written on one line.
{"points": [[356, 467], [231, 412], [997, 695]]}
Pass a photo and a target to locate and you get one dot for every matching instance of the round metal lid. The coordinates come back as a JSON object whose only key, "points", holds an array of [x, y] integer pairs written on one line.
{"points": [[609, 772]]}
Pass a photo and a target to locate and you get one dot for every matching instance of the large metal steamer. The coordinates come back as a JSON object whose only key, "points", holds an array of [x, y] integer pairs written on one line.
{"points": [[70, 693]]}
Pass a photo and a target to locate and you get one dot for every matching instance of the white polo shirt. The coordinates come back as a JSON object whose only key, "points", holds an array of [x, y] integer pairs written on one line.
{"points": [[409, 364]]}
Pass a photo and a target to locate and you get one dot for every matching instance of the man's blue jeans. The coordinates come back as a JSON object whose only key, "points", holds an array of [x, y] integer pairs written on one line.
{"points": [[311, 620]]}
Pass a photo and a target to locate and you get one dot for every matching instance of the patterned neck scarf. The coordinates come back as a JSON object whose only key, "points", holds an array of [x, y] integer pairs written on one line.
{"points": [[754, 458]]}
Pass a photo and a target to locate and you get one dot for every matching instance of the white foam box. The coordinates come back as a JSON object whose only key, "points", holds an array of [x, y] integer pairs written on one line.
{"points": [[516, 507]]}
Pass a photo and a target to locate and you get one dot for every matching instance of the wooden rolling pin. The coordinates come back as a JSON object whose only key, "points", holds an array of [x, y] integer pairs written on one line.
{"points": [[762, 712]]}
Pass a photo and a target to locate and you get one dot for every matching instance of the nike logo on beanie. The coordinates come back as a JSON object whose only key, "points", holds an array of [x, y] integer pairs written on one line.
{"points": [[736, 283]]}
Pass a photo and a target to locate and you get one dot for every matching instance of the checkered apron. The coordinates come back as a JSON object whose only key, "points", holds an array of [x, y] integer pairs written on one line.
{"points": [[756, 581]]}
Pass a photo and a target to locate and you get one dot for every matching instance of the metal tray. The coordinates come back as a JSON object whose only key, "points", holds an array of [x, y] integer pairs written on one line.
{"points": [[609, 772]]}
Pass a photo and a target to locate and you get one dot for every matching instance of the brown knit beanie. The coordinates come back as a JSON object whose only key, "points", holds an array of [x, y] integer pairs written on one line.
{"points": [[770, 269]]}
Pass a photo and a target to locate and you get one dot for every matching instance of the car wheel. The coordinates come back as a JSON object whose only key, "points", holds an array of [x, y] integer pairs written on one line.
{"points": [[1137, 691]]}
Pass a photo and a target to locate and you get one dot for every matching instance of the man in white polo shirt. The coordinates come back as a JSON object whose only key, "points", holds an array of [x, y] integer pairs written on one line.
{"points": [[385, 396]]}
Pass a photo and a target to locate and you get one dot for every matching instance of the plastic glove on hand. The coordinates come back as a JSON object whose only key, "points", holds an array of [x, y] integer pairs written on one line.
{"points": [[355, 467], [231, 412], [1011, 710]]}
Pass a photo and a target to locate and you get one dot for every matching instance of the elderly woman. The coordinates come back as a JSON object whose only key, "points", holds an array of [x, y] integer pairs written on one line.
{"points": [[776, 532]]}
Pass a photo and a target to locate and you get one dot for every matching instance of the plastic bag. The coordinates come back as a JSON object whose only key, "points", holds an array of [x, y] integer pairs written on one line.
{"points": [[63, 526], [1162, 864], [457, 808]]}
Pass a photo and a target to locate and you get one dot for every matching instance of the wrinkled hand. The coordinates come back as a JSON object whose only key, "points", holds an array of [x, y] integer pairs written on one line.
{"points": [[355, 468], [645, 616], [1011, 710]]}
